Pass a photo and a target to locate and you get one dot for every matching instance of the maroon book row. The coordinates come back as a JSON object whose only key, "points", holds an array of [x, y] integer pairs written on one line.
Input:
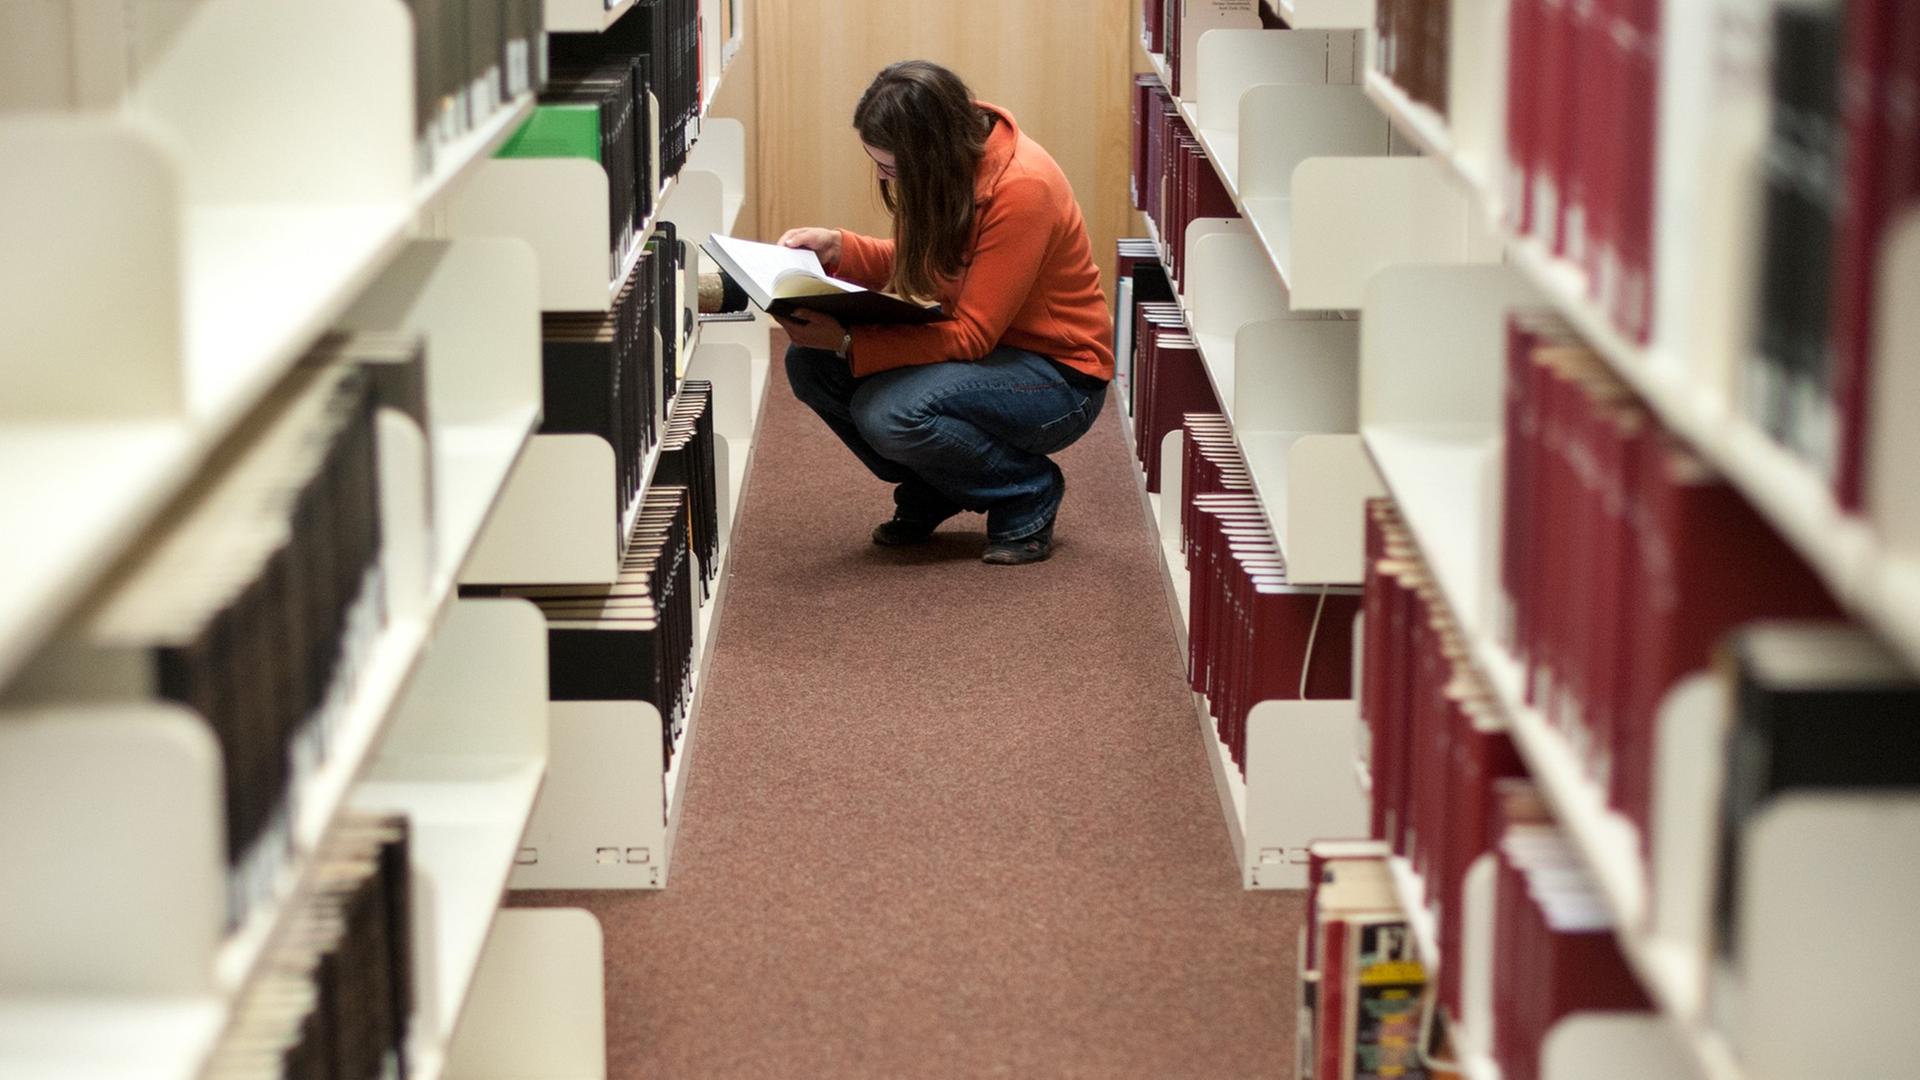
{"points": [[1173, 183], [1252, 636], [1448, 788], [1437, 739], [1624, 559], [1169, 381]]}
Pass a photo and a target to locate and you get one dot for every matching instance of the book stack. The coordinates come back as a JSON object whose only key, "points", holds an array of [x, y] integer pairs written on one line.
{"points": [[1841, 164], [259, 605], [598, 113], [687, 461], [1554, 951], [1138, 279], [470, 60], [631, 640], [334, 998], [1175, 182], [599, 376], [1252, 636], [1413, 43], [1624, 559], [1363, 984], [1435, 740], [1170, 380], [660, 41], [610, 374]]}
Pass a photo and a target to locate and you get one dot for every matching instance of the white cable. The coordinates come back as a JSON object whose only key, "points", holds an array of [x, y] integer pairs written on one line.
{"points": [[1306, 662]]}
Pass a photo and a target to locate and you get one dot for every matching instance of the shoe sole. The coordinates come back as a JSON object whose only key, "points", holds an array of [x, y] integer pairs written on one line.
{"points": [[997, 559]]}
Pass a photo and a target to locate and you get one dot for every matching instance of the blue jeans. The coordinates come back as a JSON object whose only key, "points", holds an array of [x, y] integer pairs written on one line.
{"points": [[957, 435]]}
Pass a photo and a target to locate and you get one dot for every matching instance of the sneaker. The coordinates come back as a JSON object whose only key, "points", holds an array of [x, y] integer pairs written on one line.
{"points": [[1027, 549], [900, 532]]}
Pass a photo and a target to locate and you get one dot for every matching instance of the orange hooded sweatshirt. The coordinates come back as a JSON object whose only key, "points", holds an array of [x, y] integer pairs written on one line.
{"points": [[1029, 280]]}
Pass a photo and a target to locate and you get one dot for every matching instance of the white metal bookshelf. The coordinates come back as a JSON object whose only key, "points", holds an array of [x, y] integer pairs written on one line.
{"points": [[608, 822], [1434, 432], [212, 307], [1416, 243], [1870, 561], [1296, 787], [559, 522], [1292, 141], [225, 262]]}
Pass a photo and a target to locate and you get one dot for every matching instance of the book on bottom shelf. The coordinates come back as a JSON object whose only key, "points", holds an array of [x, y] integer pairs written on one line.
{"points": [[1252, 636], [1361, 1003], [1170, 380], [632, 640], [1138, 279]]}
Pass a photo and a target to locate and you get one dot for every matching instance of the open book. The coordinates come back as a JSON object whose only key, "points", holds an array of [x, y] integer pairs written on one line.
{"points": [[783, 280]]}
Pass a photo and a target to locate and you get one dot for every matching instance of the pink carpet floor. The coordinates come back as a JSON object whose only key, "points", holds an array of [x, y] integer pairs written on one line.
{"points": [[945, 819]]}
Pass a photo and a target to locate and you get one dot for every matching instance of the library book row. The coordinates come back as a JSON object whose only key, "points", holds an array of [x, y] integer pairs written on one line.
{"points": [[1722, 197], [1561, 509], [1727, 733], [357, 503], [119, 138]]}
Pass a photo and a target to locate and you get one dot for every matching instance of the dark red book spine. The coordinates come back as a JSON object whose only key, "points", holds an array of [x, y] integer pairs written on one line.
{"points": [[1638, 109], [1866, 208], [1525, 26], [1560, 123]]}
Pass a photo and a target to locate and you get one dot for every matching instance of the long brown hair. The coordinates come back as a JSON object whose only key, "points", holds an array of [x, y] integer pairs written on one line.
{"points": [[925, 116]]}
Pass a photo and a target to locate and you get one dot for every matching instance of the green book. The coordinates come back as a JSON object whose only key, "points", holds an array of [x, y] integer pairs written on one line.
{"points": [[558, 130]]}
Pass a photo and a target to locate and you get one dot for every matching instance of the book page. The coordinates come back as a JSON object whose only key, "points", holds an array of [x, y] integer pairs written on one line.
{"points": [[791, 284], [765, 263]]}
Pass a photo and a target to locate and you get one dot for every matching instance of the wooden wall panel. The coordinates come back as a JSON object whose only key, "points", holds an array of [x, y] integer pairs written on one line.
{"points": [[1061, 67]]}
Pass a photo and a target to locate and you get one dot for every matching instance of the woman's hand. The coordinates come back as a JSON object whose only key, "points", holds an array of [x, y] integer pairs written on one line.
{"points": [[813, 330], [822, 242]]}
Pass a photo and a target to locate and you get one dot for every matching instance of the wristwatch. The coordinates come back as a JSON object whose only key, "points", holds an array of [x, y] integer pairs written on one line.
{"points": [[846, 343]]}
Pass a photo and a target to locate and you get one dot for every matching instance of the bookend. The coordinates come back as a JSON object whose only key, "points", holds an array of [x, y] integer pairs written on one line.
{"points": [[538, 1007], [1892, 498], [555, 520], [464, 758], [91, 799], [1296, 414], [1234, 61], [476, 303], [722, 151], [601, 821], [1607, 1046], [1299, 787], [1826, 937], [1287, 125], [1433, 430], [1354, 217], [559, 207], [1229, 283], [1329, 14], [1689, 767], [92, 185]]}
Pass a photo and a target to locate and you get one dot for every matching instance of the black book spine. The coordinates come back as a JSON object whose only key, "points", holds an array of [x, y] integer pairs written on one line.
{"points": [[601, 665], [1802, 171]]}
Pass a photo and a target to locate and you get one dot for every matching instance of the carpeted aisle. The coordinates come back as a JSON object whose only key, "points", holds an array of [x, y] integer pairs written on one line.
{"points": [[945, 819]]}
